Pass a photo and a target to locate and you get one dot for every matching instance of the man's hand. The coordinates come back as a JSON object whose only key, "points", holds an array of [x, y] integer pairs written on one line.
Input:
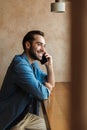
{"points": [[49, 59], [49, 86], [50, 73]]}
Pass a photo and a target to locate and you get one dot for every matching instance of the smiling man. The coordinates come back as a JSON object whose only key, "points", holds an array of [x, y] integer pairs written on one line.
{"points": [[25, 85]]}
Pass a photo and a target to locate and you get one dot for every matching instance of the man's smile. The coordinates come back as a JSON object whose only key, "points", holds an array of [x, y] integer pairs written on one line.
{"points": [[40, 54]]}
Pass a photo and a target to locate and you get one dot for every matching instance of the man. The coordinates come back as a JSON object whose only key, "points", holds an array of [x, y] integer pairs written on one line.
{"points": [[25, 84]]}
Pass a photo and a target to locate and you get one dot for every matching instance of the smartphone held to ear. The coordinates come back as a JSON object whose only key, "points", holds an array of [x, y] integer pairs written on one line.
{"points": [[44, 59]]}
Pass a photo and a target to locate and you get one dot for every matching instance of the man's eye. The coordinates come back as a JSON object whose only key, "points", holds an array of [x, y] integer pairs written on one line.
{"points": [[39, 44]]}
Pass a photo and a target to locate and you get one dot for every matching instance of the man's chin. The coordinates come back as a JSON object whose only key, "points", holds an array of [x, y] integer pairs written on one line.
{"points": [[39, 58]]}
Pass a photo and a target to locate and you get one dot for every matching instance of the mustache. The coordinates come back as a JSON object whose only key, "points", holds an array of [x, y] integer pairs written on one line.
{"points": [[40, 51]]}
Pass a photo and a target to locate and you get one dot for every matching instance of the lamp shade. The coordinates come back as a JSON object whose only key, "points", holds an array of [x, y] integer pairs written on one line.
{"points": [[58, 7]]}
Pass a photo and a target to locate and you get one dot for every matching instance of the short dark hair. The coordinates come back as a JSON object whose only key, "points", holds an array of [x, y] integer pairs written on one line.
{"points": [[30, 36]]}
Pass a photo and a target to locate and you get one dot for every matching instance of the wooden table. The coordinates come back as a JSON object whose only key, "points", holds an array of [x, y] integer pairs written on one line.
{"points": [[56, 109]]}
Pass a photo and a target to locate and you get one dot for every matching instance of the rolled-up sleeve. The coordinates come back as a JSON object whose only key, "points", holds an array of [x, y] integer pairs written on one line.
{"points": [[25, 79]]}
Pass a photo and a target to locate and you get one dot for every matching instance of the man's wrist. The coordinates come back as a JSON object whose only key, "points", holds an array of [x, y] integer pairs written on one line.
{"points": [[49, 86], [50, 65]]}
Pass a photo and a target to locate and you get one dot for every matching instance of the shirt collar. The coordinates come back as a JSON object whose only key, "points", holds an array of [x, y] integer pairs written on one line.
{"points": [[26, 58]]}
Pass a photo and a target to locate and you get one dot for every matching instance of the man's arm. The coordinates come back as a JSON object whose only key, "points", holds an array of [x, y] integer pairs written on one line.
{"points": [[26, 80], [50, 72]]}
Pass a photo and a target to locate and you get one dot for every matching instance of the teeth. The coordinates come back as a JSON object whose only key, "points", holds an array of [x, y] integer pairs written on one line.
{"points": [[40, 54]]}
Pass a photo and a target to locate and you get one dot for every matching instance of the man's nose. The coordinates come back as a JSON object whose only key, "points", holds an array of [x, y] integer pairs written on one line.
{"points": [[43, 48]]}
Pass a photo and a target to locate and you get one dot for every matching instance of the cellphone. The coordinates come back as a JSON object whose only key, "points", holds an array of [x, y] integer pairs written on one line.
{"points": [[44, 59]]}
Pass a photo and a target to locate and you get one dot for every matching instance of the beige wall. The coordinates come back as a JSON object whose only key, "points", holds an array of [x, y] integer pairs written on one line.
{"points": [[17, 17]]}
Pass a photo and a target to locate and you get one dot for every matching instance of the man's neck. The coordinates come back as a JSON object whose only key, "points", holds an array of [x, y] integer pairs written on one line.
{"points": [[29, 58]]}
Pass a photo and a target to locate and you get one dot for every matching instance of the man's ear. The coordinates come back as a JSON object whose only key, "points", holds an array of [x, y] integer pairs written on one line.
{"points": [[27, 45]]}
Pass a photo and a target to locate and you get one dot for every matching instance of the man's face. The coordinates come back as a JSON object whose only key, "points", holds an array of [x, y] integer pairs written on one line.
{"points": [[37, 48]]}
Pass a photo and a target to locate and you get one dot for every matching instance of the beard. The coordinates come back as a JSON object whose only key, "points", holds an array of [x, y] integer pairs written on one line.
{"points": [[32, 54]]}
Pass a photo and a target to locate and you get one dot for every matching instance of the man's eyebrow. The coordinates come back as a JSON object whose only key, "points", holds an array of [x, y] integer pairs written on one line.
{"points": [[42, 43]]}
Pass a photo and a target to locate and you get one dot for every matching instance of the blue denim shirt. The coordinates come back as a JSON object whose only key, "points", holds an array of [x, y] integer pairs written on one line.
{"points": [[23, 81]]}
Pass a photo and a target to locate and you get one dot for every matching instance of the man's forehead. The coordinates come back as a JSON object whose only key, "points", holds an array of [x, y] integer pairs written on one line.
{"points": [[40, 39]]}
